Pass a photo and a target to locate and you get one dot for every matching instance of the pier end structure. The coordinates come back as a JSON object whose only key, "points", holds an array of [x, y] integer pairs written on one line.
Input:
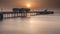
{"points": [[23, 11]]}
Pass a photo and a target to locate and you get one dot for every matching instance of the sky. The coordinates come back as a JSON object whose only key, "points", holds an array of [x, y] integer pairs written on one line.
{"points": [[53, 4]]}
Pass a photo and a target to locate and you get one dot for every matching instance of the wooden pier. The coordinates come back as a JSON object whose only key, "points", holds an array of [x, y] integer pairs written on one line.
{"points": [[22, 13]]}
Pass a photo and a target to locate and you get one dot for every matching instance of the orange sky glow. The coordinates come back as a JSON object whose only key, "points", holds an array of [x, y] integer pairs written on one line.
{"points": [[33, 3]]}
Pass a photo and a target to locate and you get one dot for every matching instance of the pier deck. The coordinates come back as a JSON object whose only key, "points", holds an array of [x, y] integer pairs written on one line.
{"points": [[22, 14]]}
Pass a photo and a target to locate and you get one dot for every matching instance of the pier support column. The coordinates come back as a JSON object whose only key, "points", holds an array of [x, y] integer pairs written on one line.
{"points": [[1, 16]]}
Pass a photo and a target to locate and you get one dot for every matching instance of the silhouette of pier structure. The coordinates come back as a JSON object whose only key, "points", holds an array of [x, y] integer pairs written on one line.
{"points": [[21, 12]]}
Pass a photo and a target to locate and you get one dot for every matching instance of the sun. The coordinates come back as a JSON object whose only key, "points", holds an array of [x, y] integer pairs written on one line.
{"points": [[28, 5]]}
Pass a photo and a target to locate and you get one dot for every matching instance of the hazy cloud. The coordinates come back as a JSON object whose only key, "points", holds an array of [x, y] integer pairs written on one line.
{"points": [[37, 3]]}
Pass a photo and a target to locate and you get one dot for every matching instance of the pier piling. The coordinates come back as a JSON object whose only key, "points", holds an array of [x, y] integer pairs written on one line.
{"points": [[1, 16]]}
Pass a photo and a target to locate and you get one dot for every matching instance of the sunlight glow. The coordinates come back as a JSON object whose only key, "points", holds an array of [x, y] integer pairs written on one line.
{"points": [[28, 5]]}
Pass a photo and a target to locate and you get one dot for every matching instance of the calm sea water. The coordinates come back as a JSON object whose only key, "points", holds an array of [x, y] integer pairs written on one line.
{"points": [[40, 24]]}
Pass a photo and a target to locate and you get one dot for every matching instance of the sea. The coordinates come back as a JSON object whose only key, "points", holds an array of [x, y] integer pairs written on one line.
{"points": [[39, 24]]}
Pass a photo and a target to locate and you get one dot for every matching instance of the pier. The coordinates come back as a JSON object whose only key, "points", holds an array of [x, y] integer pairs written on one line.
{"points": [[22, 12]]}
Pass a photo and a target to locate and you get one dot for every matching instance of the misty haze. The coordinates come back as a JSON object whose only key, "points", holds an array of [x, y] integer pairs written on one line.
{"points": [[29, 16]]}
